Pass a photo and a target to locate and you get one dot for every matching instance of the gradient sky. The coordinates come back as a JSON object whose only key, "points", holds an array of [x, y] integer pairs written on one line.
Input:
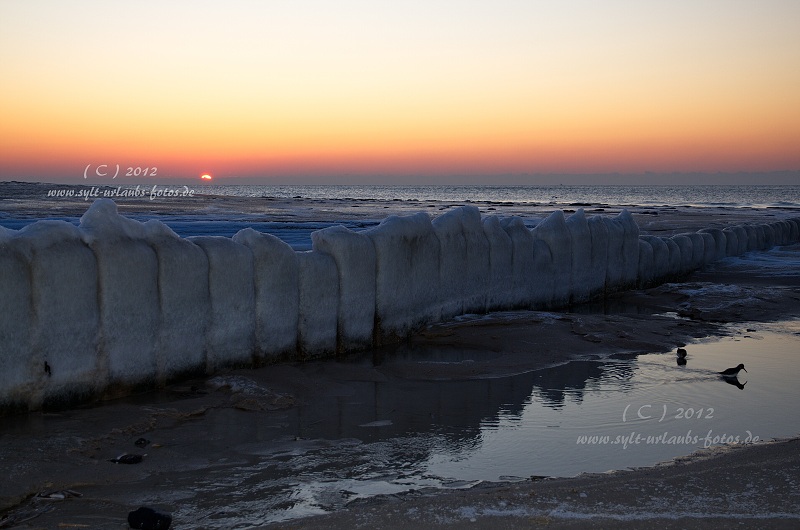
{"points": [[371, 91]]}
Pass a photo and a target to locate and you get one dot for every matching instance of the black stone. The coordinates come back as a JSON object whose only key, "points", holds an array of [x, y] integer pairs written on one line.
{"points": [[127, 459], [146, 518]]}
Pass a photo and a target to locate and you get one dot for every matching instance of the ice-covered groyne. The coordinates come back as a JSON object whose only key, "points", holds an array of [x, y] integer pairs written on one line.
{"points": [[113, 303]]}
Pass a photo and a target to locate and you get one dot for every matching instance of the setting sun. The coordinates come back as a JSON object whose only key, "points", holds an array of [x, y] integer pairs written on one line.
{"points": [[206, 177]]}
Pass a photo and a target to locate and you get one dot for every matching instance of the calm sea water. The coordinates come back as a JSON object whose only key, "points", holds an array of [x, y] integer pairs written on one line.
{"points": [[296, 226], [708, 195]]}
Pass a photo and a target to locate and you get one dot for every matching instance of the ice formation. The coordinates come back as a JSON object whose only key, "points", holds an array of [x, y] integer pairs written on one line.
{"points": [[277, 293], [581, 281], [354, 257], [531, 285], [630, 249], [499, 289], [127, 281], [646, 272], [54, 318], [406, 274], [660, 261], [182, 283], [720, 243], [463, 261], [319, 304], [230, 337], [114, 303], [598, 232], [556, 242]]}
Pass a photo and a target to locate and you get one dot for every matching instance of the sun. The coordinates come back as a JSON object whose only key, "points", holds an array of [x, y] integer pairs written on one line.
{"points": [[206, 176]]}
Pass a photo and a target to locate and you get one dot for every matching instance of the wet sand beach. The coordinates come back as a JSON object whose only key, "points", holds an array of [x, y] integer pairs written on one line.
{"points": [[226, 451]]}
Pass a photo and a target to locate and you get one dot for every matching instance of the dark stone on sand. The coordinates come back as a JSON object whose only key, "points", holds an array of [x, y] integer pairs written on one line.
{"points": [[141, 442], [145, 518], [127, 459]]}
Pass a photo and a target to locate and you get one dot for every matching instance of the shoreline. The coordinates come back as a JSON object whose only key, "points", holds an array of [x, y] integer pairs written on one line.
{"points": [[751, 486]]}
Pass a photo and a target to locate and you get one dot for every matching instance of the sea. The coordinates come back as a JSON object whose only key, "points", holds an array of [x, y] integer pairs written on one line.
{"points": [[756, 196], [293, 212]]}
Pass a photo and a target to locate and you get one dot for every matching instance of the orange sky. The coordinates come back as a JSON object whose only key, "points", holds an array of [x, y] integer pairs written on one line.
{"points": [[294, 90]]}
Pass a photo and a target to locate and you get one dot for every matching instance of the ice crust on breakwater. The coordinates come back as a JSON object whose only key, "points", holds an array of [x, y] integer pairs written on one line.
{"points": [[115, 303]]}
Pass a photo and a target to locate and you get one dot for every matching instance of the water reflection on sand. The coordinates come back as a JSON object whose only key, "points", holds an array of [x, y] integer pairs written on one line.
{"points": [[390, 436]]}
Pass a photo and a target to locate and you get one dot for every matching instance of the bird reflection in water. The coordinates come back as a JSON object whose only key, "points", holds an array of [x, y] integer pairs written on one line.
{"points": [[734, 381]]}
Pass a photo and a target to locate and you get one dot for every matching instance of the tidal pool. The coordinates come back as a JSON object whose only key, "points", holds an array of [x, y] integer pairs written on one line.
{"points": [[366, 433], [391, 437]]}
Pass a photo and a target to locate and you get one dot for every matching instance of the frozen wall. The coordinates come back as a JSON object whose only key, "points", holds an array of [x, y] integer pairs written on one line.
{"points": [[277, 293], [660, 261], [463, 262], [501, 255], [184, 302], [630, 250], [555, 241], [230, 337], [531, 283], [407, 293], [127, 280], [54, 318], [598, 232], [17, 364], [111, 304], [581, 281], [318, 304], [354, 257]]}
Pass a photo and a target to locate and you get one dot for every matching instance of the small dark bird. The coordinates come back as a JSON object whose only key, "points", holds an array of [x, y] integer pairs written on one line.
{"points": [[732, 372], [47, 369], [681, 353]]}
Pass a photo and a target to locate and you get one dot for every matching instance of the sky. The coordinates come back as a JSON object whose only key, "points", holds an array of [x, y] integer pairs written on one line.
{"points": [[440, 91]]}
